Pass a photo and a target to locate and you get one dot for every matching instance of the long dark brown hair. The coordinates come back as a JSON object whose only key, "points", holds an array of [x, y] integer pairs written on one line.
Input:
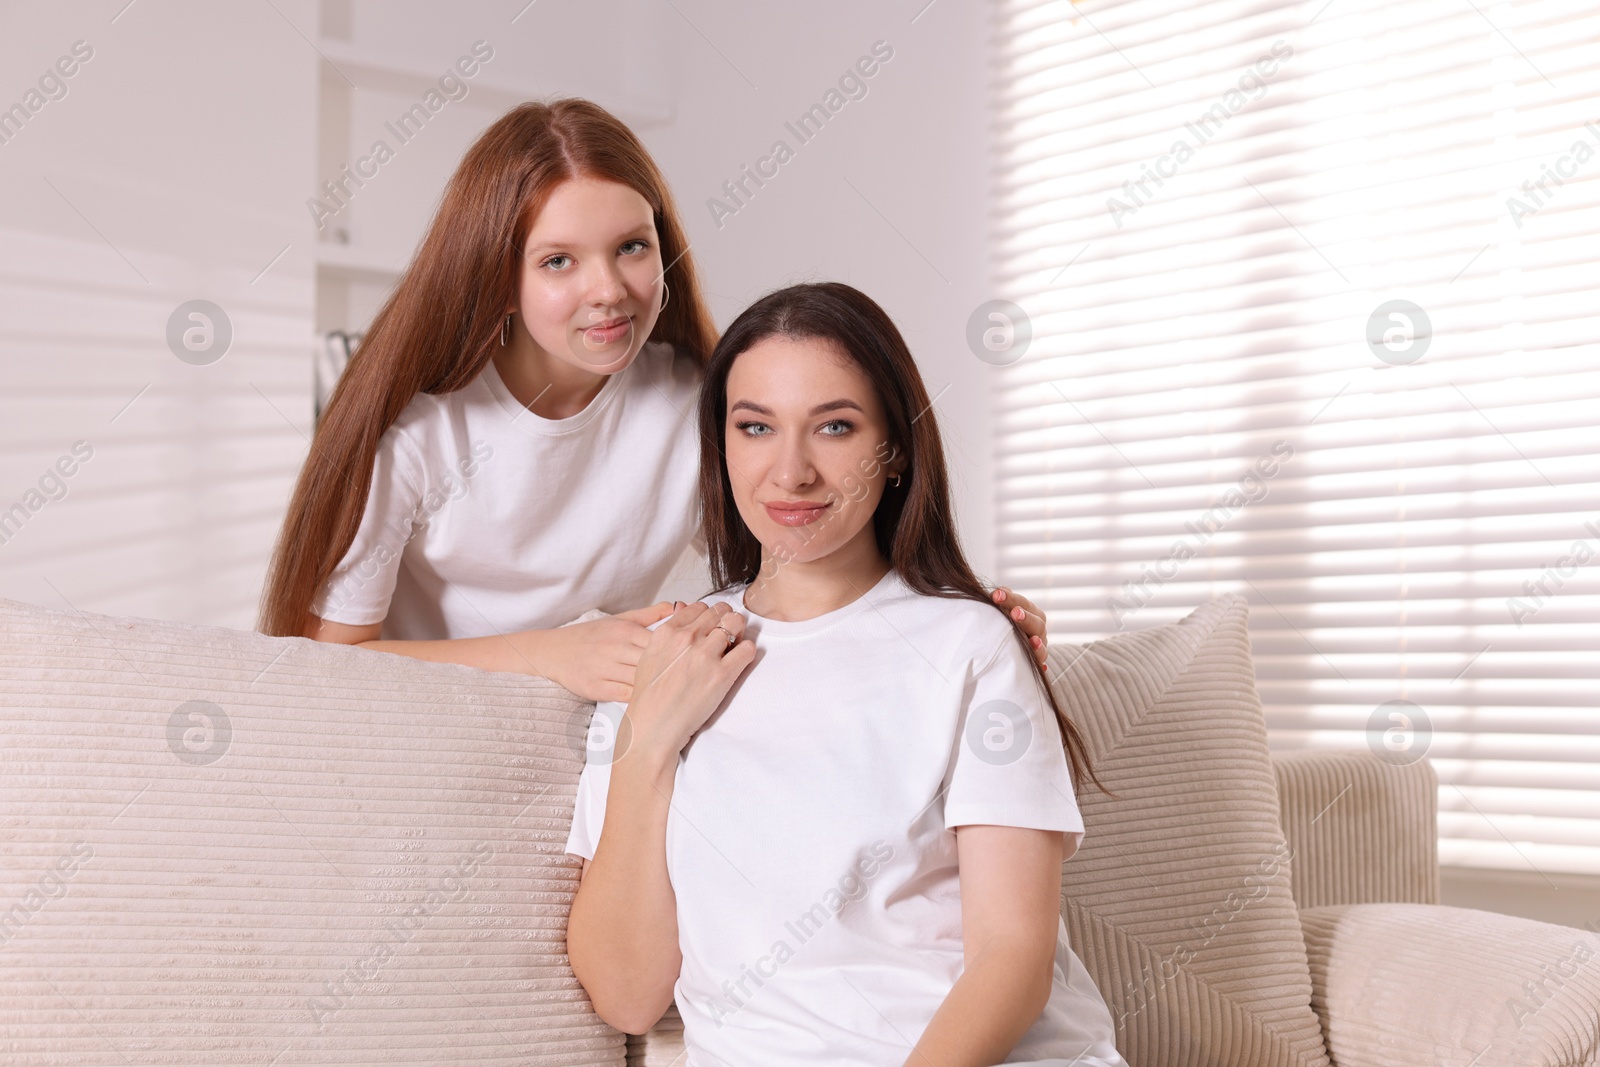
{"points": [[442, 323], [913, 524]]}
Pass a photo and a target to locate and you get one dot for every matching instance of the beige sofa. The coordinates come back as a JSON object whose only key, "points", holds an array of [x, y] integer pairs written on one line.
{"points": [[218, 847]]}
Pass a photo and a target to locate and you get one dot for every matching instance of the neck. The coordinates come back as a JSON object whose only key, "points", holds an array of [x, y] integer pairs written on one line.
{"points": [[796, 591], [546, 386]]}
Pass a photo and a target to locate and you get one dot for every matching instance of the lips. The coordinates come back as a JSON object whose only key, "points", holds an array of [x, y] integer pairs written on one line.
{"points": [[795, 512], [606, 332]]}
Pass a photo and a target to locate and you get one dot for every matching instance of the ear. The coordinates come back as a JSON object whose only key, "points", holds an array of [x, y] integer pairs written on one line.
{"points": [[899, 460]]}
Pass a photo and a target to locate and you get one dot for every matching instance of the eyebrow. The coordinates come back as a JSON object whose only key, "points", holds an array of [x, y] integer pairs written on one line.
{"points": [[832, 405]]}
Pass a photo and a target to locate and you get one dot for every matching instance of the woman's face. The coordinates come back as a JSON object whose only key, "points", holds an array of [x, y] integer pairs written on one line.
{"points": [[807, 447], [591, 275]]}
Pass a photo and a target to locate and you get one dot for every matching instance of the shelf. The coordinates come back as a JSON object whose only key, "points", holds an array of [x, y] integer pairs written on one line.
{"points": [[369, 70], [357, 264]]}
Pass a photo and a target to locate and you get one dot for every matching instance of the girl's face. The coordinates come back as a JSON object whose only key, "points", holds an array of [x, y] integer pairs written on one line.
{"points": [[807, 448], [591, 275]]}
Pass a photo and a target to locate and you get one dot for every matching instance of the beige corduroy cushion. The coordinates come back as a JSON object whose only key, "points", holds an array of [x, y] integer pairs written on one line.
{"points": [[359, 860], [1363, 830], [1403, 984], [1178, 901]]}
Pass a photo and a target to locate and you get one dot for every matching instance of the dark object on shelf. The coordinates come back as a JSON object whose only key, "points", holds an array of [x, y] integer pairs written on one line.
{"points": [[328, 362]]}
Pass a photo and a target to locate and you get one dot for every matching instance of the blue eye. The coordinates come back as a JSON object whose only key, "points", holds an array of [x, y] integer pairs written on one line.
{"points": [[552, 259], [845, 423], [747, 427], [641, 242]]}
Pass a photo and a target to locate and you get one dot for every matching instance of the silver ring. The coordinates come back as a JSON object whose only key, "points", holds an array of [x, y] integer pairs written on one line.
{"points": [[731, 639]]}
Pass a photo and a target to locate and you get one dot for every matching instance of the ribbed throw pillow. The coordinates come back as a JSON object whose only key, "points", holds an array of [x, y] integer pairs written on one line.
{"points": [[219, 847], [1178, 901]]}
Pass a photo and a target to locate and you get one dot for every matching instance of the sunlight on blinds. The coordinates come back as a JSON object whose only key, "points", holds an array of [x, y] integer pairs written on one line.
{"points": [[1310, 291]]}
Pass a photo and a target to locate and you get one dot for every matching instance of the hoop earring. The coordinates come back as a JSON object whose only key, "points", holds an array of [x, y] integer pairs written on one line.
{"points": [[505, 328], [896, 482], [665, 294]]}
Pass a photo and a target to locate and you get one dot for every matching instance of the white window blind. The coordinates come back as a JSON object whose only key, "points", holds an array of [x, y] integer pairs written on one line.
{"points": [[1203, 211]]}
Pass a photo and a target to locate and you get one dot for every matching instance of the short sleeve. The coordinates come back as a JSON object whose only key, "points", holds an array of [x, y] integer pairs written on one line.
{"points": [[358, 591], [589, 812], [1008, 767]]}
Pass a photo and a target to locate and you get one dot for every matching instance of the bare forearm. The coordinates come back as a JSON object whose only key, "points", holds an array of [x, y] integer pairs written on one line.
{"points": [[622, 933], [520, 653], [997, 998]]}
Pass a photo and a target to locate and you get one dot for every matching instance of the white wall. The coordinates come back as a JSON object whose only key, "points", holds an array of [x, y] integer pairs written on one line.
{"points": [[172, 169], [890, 197]]}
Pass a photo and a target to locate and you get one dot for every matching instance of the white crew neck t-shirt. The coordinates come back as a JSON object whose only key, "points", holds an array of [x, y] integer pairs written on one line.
{"points": [[485, 518], [810, 840]]}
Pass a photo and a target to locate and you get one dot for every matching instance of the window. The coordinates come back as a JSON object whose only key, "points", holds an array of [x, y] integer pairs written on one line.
{"points": [[1311, 289]]}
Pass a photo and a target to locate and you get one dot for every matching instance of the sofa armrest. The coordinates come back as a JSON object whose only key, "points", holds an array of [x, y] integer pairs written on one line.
{"points": [[1404, 984], [1363, 831]]}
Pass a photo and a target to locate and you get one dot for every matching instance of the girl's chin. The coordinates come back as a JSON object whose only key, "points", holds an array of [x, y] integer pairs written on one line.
{"points": [[608, 359]]}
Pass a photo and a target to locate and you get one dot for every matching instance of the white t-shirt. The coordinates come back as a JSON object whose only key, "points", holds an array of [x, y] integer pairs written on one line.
{"points": [[810, 841], [485, 518]]}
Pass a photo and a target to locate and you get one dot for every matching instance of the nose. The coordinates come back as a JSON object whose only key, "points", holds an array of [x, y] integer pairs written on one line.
{"points": [[793, 469], [606, 288]]}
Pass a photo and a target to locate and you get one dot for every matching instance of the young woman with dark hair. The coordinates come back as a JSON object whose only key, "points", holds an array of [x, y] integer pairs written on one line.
{"points": [[508, 447], [831, 821]]}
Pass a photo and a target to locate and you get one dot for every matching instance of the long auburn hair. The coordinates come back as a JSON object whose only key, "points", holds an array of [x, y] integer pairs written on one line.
{"points": [[913, 524], [442, 322]]}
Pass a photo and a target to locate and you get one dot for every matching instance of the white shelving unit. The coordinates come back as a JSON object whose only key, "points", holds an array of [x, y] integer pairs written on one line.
{"points": [[365, 246], [371, 71]]}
